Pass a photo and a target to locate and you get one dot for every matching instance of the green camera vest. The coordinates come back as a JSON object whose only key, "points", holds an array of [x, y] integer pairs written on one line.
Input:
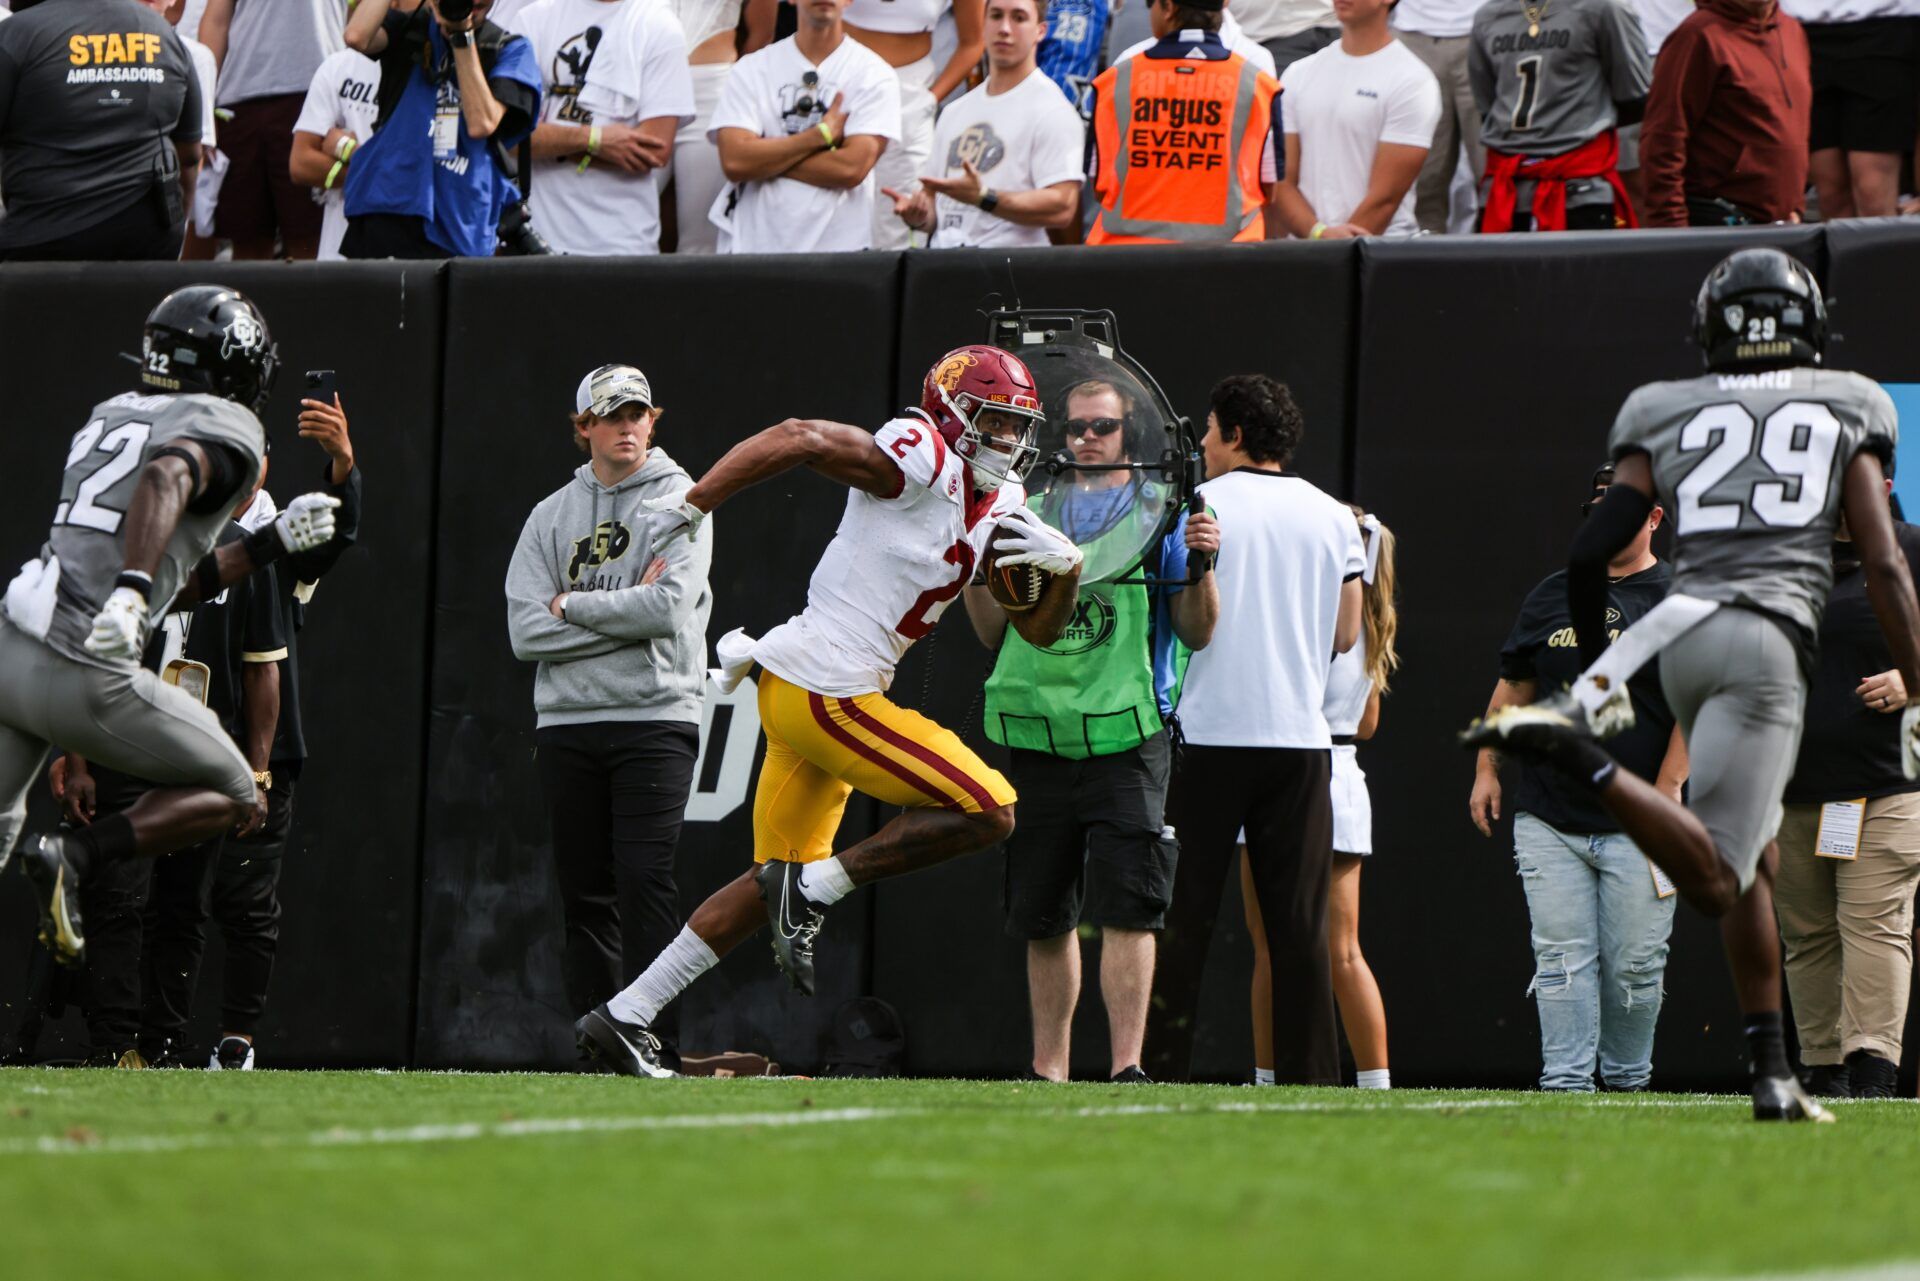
{"points": [[1091, 692]]}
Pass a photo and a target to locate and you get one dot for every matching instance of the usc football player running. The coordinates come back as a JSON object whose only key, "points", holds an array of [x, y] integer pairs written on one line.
{"points": [[928, 491]]}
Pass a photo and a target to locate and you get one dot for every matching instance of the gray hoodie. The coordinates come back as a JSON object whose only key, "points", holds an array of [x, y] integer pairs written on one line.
{"points": [[624, 652]]}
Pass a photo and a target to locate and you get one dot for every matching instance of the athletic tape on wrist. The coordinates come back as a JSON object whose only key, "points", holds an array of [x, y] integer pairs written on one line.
{"points": [[142, 583]]}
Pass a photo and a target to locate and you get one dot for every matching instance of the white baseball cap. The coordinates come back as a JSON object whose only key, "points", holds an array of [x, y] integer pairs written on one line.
{"points": [[609, 387]]}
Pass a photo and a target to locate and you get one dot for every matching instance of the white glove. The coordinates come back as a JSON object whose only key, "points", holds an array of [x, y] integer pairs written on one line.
{"points": [[307, 522], [119, 626], [1037, 543], [676, 514]]}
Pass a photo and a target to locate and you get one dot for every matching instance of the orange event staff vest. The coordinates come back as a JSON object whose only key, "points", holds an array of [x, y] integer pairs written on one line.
{"points": [[1178, 132]]}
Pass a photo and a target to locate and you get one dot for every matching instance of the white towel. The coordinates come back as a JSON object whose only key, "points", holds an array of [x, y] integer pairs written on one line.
{"points": [[31, 594], [735, 652]]}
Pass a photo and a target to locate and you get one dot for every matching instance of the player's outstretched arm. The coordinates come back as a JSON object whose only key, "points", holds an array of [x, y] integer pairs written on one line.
{"points": [[1612, 526], [835, 450], [1889, 584]]}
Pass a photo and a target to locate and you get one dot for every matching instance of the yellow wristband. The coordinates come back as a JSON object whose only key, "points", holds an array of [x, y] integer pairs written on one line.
{"points": [[827, 134], [1319, 230], [333, 175], [344, 149], [593, 140]]}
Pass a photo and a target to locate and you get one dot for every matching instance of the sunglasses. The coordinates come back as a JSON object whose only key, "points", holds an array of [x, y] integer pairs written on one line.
{"points": [[1081, 427]]}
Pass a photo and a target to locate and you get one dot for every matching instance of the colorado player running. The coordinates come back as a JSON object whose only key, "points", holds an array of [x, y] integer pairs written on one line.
{"points": [[928, 490], [1760, 458], [150, 482]]}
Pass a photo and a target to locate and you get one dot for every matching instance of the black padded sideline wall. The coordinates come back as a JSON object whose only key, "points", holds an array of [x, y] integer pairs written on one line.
{"points": [[342, 993], [941, 953], [1489, 376], [731, 346]]}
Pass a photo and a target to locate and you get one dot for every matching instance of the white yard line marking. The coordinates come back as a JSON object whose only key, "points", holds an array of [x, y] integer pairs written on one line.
{"points": [[1897, 1270], [464, 1131]]}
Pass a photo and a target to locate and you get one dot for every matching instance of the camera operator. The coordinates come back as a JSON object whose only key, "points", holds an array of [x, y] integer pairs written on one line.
{"points": [[456, 92]]}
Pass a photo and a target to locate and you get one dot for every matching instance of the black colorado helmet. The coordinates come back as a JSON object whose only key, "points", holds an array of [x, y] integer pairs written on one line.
{"points": [[208, 338], [1759, 309]]}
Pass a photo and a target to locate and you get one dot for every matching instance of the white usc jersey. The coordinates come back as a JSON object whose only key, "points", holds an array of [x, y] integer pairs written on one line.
{"points": [[893, 567]]}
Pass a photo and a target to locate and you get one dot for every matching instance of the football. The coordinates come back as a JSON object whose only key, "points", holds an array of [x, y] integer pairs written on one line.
{"points": [[1015, 588]]}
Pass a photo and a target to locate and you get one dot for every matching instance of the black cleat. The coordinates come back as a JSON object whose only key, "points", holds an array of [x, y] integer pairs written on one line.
{"points": [[626, 1048], [1829, 1081], [795, 918], [1872, 1076], [1780, 1098], [1131, 1075], [56, 895], [233, 1054]]}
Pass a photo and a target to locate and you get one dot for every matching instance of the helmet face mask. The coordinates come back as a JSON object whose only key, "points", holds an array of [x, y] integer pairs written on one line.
{"points": [[969, 383], [1760, 309]]}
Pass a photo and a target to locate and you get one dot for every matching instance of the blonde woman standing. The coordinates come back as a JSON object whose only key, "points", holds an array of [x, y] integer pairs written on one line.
{"points": [[1355, 684]]}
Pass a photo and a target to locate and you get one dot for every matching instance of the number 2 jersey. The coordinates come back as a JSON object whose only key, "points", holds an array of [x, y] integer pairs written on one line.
{"points": [[893, 567], [1749, 467], [103, 468]]}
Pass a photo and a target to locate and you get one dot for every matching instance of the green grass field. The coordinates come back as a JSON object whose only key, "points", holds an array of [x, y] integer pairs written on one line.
{"points": [[280, 1175]]}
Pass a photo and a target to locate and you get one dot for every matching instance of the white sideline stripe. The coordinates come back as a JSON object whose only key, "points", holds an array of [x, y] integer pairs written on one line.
{"points": [[534, 1127], [1897, 1270]]}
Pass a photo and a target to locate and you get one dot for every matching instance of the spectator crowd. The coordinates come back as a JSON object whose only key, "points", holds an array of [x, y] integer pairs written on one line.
{"points": [[611, 127]]}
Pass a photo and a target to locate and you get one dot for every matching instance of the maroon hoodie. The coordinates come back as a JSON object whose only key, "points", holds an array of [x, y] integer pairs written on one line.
{"points": [[1728, 115]]}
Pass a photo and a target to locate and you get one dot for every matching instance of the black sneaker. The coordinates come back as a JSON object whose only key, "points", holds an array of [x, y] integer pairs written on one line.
{"points": [[795, 918], [1872, 1076], [233, 1054], [1780, 1098], [1131, 1075], [1829, 1081], [626, 1048], [55, 894]]}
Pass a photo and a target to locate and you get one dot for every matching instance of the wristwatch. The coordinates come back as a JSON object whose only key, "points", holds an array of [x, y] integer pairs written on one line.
{"points": [[989, 200], [263, 779], [459, 39]]}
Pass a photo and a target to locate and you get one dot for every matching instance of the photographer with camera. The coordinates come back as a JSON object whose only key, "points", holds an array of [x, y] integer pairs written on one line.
{"points": [[456, 92]]}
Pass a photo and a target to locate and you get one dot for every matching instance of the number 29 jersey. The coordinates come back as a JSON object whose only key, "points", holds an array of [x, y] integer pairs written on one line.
{"points": [[103, 469], [1750, 469], [893, 567]]}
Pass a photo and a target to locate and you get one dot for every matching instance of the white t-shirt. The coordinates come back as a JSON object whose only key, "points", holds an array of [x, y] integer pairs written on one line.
{"points": [[207, 72], [1021, 140], [893, 567], [345, 94], [1286, 549], [1348, 689], [1848, 10], [505, 14], [1441, 19], [776, 91], [1343, 108], [1658, 18], [604, 210], [1236, 40]]}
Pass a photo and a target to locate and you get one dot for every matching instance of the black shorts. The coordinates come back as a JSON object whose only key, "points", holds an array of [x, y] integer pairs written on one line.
{"points": [[1087, 846], [1866, 84]]}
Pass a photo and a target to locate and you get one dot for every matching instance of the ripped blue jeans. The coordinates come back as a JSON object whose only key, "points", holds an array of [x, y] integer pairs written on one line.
{"points": [[1599, 954]]}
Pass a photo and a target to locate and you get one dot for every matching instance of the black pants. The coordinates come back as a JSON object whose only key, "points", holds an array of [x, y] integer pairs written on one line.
{"points": [[135, 233], [389, 236], [175, 929], [112, 900], [245, 905], [1281, 797], [617, 792]]}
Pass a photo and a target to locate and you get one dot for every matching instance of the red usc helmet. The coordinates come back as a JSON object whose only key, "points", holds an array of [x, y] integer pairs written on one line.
{"points": [[969, 380]]}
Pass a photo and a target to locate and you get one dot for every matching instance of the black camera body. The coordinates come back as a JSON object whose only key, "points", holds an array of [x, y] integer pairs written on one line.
{"points": [[456, 10]]}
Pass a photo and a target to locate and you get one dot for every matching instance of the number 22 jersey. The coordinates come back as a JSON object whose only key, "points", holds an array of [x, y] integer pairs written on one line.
{"points": [[1750, 467], [893, 567]]}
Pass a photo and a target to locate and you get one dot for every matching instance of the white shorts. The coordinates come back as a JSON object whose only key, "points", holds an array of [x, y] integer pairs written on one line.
{"points": [[1352, 807]]}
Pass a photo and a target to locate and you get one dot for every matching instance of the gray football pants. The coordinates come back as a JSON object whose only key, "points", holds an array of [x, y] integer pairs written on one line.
{"points": [[1734, 682], [130, 721]]}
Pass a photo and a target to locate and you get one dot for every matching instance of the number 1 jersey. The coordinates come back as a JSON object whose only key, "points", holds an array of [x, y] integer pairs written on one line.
{"points": [[893, 567], [1750, 468], [103, 469]]}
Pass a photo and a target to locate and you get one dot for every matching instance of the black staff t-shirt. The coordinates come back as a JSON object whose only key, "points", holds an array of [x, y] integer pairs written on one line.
{"points": [[1847, 750], [1541, 648]]}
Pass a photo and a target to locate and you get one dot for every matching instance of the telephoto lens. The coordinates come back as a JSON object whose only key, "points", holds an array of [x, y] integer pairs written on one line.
{"points": [[456, 10]]}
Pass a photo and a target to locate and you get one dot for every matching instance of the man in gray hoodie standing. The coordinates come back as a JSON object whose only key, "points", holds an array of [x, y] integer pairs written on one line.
{"points": [[619, 634]]}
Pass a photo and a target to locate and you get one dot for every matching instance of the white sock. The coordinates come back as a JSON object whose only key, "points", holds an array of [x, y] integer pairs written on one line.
{"points": [[825, 882], [1263, 1076], [685, 959], [1373, 1079]]}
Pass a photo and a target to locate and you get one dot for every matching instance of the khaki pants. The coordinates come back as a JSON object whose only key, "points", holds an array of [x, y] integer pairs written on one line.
{"points": [[1847, 927], [1458, 130]]}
